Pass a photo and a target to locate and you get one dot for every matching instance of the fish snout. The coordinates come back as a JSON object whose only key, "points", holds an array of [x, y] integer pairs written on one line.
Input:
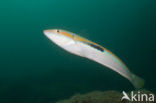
{"points": [[46, 31]]}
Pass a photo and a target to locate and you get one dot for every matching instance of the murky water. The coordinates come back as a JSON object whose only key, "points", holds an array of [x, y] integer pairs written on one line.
{"points": [[34, 70]]}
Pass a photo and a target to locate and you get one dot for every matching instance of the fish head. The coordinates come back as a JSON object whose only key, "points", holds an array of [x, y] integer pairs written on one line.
{"points": [[58, 36], [51, 32]]}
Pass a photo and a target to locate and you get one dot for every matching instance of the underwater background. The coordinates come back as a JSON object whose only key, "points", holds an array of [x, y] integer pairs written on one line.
{"points": [[34, 70]]}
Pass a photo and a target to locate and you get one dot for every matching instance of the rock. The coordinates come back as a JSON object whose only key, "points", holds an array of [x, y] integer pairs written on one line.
{"points": [[102, 97]]}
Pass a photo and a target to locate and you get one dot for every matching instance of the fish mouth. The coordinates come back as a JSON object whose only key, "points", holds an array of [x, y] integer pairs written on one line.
{"points": [[51, 31], [47, 31]]}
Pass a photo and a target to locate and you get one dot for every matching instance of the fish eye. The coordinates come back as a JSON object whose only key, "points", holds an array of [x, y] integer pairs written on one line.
{"points": [[57, 31]]}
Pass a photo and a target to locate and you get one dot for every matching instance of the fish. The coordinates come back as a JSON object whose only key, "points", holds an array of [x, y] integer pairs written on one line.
{"points": [[83, 47]]}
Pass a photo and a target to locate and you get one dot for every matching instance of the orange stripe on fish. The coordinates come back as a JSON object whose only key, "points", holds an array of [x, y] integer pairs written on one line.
{"points": [[66, 34]]}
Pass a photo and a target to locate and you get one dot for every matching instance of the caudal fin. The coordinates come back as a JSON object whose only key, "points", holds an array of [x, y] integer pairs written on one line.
{"points": [[137, 81]]}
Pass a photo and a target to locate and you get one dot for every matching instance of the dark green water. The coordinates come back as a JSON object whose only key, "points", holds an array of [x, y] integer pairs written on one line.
{"points": [[34, 70]]}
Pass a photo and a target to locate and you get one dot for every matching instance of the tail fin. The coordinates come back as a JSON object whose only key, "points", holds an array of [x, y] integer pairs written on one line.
{"points": [[137, 81]]}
